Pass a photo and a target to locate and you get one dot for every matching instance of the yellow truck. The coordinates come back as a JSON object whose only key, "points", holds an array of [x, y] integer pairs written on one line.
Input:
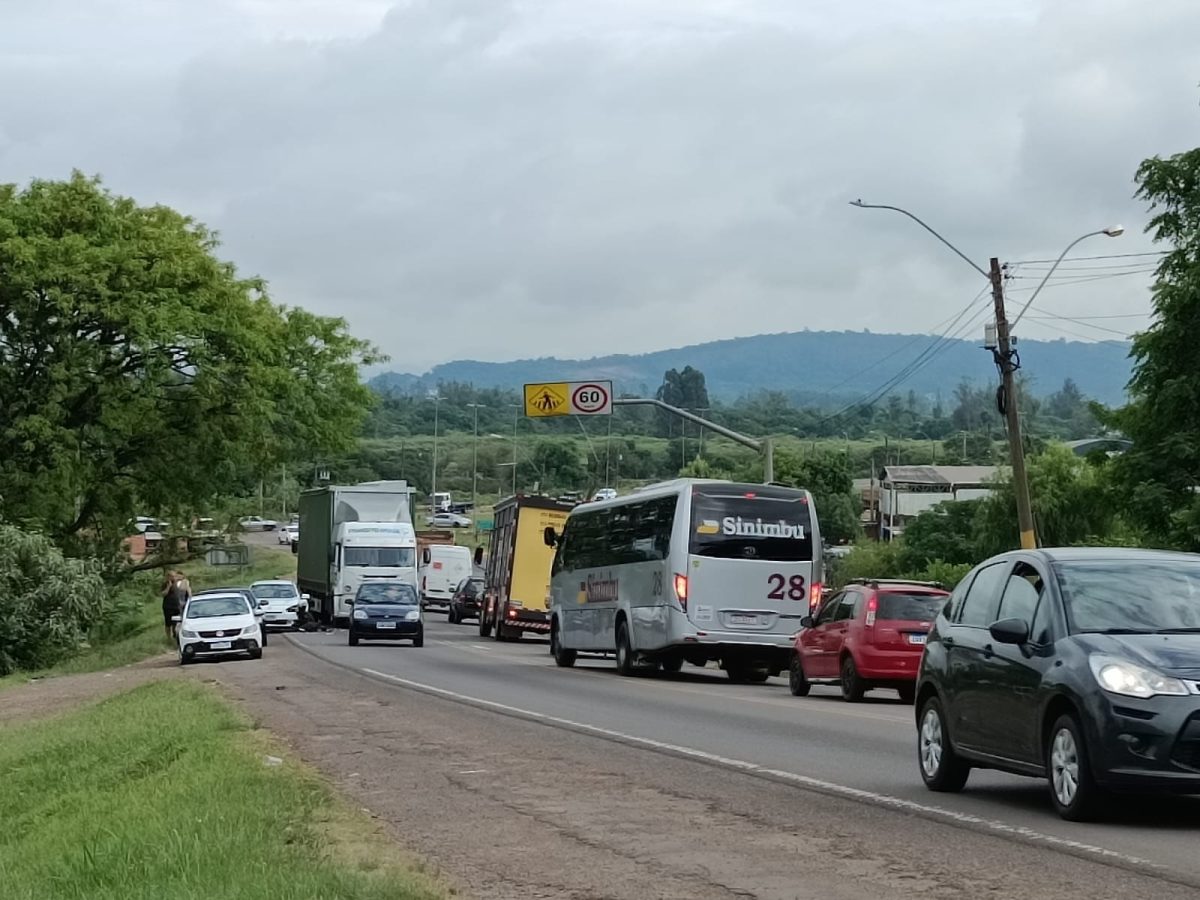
{"points": [[517, 577]]}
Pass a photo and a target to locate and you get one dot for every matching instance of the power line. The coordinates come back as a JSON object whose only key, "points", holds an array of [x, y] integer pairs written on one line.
{"points": [[1086, 324], [1129, 265], [1090, 338], [1077, 318], [1073, 279], [1022, 262]]}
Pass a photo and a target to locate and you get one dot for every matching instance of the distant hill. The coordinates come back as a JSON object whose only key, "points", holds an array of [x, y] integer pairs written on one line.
{"points": [[812, 367]]}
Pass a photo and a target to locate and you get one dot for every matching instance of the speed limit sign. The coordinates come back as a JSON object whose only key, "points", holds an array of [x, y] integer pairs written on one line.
{"points": [[592, 398]]}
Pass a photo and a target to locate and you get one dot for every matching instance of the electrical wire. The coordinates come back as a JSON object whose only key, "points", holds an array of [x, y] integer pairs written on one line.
{"points": [[953, 333], [1072, 279], [1086, 324], [1024, 262]]}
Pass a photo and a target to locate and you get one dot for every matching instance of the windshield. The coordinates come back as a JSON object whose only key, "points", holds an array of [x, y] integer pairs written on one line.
{"points": [[275, 591], [380, 557], [402, 594], [734, 522], [1139, 595], [914, 607], [212, 607]]}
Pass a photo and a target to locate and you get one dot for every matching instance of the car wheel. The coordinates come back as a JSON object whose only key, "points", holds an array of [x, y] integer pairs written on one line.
{"points": [[1076, 796], [563, 657], [263, 629], [672, 664], [256, 653], [907, 692], [419, 640], [353, 639], [450, 619], [757, 676], [625, 657], [853, 687], [942, 769], [798, 682], [485, 627]]}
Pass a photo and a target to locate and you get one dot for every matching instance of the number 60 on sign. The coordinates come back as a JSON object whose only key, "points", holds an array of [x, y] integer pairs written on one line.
{"points": [[568, 398]]}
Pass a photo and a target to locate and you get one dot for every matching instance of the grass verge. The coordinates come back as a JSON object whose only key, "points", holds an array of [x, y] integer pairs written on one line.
{"points": [[163, 793], [138, 634]]}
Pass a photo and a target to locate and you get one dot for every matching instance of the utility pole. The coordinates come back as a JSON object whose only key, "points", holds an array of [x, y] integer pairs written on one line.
{"points": [[1006, 362], [474, 462], [433, 480]]}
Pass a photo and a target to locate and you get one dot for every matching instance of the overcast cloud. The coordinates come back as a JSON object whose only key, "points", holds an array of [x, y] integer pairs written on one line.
{"points": [[495, 179]]}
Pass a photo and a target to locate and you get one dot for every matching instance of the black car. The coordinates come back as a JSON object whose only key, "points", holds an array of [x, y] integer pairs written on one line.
{"points": [[467, 600], [387, 611], [255, 603], [1081, 666]]}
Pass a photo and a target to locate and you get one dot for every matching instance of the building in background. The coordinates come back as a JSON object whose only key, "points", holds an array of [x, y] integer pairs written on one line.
{"points": [[907, 491]]}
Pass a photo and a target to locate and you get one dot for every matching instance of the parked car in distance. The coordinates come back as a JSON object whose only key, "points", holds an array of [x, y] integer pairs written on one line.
{"points": [[289, 534], [257, 523], [467, 600], [1080, 666], [258, 606], [386, 611], [605, 494], [448, 520], [218, 624], [871, 634], [280, 602]]}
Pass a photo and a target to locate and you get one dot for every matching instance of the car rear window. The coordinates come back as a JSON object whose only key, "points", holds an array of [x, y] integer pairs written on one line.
{"points": [[910, 606]]}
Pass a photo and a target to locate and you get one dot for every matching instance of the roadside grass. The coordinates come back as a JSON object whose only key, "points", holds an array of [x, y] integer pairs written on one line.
{"points": [[164, 792], [138, 633]]}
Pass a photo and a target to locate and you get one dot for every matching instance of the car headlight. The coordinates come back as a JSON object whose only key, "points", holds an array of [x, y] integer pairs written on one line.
{"points": [[292, 608], [1119, 676], [360, 614], [413, 615], [250, 629], [188, 634]]}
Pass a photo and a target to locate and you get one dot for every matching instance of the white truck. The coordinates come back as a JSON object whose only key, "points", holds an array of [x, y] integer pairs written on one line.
{"points": [[443, 567], [352, 533]]}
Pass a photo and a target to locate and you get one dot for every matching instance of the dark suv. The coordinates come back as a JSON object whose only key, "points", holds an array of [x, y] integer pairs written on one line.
{"points": [[467, 600], [1080, 666]]}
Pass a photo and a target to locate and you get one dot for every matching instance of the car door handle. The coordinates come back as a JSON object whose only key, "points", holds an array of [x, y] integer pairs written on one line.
{"points": [[947, 642], [988, 652]]}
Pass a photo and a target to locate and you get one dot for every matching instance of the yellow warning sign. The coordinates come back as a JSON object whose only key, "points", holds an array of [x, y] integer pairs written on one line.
{"points": [[543, 400]]}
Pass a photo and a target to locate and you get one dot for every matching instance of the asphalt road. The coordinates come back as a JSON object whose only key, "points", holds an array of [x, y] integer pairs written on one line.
{"points": [[862, 751]]}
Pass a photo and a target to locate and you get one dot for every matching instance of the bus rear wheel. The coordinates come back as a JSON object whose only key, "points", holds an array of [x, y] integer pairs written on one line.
{"points": [[563, 657], [625, 657]]}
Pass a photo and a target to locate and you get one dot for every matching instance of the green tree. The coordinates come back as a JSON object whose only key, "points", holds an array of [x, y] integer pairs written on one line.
{"points": [[827, 477], [1158, 477], [947, 533], [140, 371]]}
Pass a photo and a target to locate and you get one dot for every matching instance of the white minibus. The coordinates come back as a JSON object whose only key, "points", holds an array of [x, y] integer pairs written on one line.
{"points": [[692, 570]]}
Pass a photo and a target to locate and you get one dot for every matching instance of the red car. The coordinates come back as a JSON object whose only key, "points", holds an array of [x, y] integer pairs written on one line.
{"points": [[869, 634]]}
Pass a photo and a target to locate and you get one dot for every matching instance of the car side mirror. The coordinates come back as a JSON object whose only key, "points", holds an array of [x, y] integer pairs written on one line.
{"points": [[262, 603], [176, 619], [806, 622], [349, 601], [425, 556], [550, 536], [306, 597], [479, 556], [1009, 631]]}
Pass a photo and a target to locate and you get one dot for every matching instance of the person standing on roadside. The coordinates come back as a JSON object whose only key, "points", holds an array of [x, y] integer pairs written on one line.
{"points": [[175, 593]]}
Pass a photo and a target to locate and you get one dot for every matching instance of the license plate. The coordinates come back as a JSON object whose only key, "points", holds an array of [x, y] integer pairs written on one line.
{"points": [[917, 638], [220, 645], [385, 624], [743, 620]]}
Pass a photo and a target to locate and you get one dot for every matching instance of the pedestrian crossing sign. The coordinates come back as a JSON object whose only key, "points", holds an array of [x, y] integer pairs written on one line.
{"points": [[542, 400]]}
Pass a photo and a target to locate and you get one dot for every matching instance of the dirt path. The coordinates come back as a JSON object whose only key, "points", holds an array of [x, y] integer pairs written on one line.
{"points": [[509, 810]]}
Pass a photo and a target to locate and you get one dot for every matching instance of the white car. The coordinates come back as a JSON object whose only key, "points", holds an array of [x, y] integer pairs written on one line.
{"points": [[257, 523], [280, 603], [218, 625], [605, 494], [449, 520], [289, 533]]}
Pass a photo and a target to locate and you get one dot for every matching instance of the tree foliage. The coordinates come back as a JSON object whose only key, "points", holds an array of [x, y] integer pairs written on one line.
{"points": [[827, 477], [48, 603], [1158, 477], [140, 371]]}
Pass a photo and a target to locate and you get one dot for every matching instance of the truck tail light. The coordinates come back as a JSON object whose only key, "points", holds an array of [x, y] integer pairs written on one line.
{"points": [[681, 590]]}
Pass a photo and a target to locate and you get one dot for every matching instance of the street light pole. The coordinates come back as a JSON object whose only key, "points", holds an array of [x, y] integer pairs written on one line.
{"points": [[516, 418], [433, 480], [1006, 362], [474, 453]]}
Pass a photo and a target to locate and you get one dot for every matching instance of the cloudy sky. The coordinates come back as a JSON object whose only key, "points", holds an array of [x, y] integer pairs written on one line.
{"points": [[497, 179]]}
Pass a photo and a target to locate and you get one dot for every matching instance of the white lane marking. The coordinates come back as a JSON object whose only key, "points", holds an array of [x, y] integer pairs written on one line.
{"points": [[828, 787]]}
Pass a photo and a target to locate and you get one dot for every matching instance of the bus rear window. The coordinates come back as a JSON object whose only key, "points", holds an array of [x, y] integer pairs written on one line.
{"points": [[742, 524]]}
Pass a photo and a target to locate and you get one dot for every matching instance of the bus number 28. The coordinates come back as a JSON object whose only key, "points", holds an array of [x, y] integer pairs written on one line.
{"points": [[781, 587]]}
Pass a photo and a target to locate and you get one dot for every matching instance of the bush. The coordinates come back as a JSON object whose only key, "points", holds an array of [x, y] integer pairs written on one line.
{"points": [[48, 602]]}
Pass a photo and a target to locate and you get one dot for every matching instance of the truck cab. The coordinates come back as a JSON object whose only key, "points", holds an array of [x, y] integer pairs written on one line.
{"points": [[370, 551]]}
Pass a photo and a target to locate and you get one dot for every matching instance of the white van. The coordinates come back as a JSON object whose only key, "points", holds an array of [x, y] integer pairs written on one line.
{"points": [[371, 551], [444, 566], [687, 571]]}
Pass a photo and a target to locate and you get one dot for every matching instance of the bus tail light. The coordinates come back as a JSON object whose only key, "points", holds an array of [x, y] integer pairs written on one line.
{"points": [[814, 595], [872, 608], [681, 590]]}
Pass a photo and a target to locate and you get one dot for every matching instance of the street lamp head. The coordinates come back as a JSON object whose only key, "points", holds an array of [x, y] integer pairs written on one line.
{"points": [[857, 202], [1115, 231]]}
